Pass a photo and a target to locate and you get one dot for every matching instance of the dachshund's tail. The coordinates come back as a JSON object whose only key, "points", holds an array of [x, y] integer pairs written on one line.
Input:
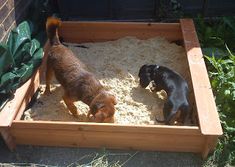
{"points": [[52, 26]]}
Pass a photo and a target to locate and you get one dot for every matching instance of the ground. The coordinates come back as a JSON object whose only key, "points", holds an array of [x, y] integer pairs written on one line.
{"points": [[57, 156]]}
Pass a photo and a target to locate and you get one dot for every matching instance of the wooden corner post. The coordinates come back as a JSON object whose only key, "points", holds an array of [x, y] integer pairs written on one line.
{"points": [[205, 103]]}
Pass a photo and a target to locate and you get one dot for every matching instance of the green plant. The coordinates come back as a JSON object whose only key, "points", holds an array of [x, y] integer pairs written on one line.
{"points": [[103, 159], [214, 33], [222, 75], [19, 58]]}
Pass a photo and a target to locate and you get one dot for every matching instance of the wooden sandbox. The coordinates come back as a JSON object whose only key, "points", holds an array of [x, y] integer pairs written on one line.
{"points": [[199, 139]]}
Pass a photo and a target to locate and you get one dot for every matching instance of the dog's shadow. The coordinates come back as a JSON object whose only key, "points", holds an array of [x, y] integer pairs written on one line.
{"points": [[150, 100], [52, 108]]}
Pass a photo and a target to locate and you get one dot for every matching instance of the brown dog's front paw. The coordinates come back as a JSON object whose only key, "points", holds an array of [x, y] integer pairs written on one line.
{"points": [[88, 114], [91, 119], [74, 112], [75, 115]]}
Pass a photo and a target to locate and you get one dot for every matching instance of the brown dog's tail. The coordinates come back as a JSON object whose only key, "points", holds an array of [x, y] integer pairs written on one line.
{"points": [[52, 25]]}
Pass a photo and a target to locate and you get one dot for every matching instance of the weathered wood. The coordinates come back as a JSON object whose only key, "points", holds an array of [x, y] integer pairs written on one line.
{"points": [[139, 137], [79, 32], [106, 127], [206, 108], [15, 107], [209, 145], [34, 85], [7, 137], [10, 110], [29, 94], [109, 136]]}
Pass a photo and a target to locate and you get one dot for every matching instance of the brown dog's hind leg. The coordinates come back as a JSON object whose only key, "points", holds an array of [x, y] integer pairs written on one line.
{"points": [[49, 75], [70, 104]]}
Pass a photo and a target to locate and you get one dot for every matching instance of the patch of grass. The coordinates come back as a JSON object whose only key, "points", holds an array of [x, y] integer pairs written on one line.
{"points": [[223, 83], [23, 165], [102, 160]]}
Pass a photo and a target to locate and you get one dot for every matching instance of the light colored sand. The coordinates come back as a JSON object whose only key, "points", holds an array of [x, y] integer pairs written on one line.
{"points": [[116, 65]]}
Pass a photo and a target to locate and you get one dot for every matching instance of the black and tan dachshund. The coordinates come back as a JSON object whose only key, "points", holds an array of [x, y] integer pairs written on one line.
{"points": [[176, 88]]}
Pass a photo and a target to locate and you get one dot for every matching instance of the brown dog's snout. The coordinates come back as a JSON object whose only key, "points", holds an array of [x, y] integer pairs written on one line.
{"points": [[103, 117], [100, 117]]}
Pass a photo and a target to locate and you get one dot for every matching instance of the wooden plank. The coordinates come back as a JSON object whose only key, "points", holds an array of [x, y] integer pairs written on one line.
{"points": [[29, 94], [10, 110], [209, 145], [15, 107], [79, 32], [105, 127], [148, 137], [40, 75], [111, 139], [206, 108], [7, 137]]}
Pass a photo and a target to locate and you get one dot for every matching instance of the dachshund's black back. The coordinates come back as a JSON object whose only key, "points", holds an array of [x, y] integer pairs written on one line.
{"points": [[170, 81]]}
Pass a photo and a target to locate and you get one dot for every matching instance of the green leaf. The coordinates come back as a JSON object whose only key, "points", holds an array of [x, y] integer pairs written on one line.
{"points": [[6, 59], [19, 58], [18, 37], [230, 22]]}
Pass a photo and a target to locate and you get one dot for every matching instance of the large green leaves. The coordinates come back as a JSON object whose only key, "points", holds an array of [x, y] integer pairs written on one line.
{"points": [[19, 58]]}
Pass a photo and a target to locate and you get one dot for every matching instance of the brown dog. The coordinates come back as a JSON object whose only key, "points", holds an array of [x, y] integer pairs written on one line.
{"points": [[78, 83]]}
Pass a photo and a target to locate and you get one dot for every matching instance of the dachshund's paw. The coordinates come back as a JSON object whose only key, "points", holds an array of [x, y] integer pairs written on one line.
{"points": [[162, 94], [152, 89]]}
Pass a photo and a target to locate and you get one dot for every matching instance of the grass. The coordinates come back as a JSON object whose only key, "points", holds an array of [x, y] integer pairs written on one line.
{"points": [[103, 160], [90, 160]]}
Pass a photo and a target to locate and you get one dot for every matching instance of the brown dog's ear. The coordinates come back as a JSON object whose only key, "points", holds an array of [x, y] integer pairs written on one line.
{"points": [[114, 100]]}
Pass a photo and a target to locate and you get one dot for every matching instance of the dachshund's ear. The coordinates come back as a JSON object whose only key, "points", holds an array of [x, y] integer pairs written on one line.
{"points": [[144, 66], [148, 70], [143, 70], [155, 70]]}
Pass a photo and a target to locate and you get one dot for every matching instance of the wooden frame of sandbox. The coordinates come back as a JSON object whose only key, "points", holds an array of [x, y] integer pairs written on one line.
{"points": [[199, 139]]}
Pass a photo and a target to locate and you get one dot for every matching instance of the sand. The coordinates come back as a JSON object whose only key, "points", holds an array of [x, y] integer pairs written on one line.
{"points": [[116, 65]]}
